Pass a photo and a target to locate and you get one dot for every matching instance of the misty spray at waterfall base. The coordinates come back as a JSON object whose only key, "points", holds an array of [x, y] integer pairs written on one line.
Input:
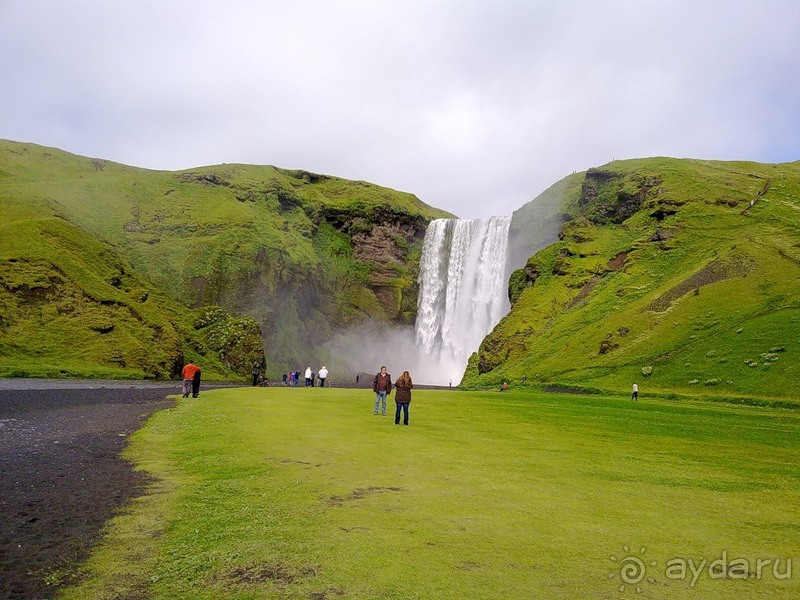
{"points": [[462, 296]]}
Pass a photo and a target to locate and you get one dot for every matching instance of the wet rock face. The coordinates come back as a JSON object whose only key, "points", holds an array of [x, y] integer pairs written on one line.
{"points": [[384, 244], [385, 247]]}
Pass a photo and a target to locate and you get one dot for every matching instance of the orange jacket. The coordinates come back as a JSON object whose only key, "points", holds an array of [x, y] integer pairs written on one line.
{"points": [[189, 371]]}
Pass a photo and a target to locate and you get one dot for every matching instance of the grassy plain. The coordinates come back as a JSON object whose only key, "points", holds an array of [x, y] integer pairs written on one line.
{"points": [[304, 493]]}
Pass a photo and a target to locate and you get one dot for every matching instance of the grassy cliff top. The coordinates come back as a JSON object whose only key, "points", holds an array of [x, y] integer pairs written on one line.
{"points": [[36, 168]]}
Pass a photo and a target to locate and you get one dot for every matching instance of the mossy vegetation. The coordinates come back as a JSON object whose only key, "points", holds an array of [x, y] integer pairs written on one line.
{"points": [[684, 268], [70, 307], [299, 253]]}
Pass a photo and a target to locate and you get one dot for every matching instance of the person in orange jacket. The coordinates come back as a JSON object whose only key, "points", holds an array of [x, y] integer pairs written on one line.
{"points": [[188, 373]]}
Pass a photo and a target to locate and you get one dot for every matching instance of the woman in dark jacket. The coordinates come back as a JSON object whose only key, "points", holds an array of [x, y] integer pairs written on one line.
{"points": [[402, 397]]}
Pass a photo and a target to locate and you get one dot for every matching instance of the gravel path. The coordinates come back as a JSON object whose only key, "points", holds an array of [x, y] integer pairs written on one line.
{"points": [[61, 477]]}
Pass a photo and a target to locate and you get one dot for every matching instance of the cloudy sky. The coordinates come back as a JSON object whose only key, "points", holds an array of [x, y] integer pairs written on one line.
{"points": [[474, 106]]}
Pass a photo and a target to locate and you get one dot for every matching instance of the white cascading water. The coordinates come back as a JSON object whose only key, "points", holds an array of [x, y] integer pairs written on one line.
{"points": [[462, 290]]}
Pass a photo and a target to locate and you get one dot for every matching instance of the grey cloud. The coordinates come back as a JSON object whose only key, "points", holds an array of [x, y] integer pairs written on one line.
{"points": [[474, 106]]}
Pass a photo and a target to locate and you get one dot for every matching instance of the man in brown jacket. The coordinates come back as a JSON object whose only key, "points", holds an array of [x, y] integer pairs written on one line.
{"points": [[382, 386]]}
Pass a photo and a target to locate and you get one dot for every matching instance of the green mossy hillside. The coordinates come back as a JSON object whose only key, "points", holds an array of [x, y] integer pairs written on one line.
{"points": [[680, 275], [302, 254], [70, 307]]}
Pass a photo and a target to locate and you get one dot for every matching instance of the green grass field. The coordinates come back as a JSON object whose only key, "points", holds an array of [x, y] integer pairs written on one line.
{"points": [[299, 493]]}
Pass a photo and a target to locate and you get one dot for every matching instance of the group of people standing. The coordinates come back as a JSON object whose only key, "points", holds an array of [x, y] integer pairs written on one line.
{"points": [[191, 380], [382, 386], [292, 379]]}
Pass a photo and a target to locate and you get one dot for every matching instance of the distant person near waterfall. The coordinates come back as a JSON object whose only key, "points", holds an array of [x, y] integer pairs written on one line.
{"points": [[402, 397], [382, 386], [256, 373], [323, 375]]}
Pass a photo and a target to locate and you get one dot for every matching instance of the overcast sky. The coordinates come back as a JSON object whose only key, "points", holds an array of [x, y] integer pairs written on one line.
{"points": [[474, 106]]}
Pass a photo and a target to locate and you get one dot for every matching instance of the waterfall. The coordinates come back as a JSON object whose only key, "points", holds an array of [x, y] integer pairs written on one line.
{"points": [[462, 290]]}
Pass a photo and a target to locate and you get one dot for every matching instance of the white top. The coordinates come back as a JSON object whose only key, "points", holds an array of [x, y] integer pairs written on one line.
{"points": [[635, 388], [308, 373], [323, 373]]}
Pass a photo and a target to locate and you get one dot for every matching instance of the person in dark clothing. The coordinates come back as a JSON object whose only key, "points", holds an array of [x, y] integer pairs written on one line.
{"points": [[256, 373], [402, 397], [196, 384], [382, 386]]}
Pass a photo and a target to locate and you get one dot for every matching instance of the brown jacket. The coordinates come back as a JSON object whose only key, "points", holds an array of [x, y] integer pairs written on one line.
{"points": [[403, 393], [382, 383]]}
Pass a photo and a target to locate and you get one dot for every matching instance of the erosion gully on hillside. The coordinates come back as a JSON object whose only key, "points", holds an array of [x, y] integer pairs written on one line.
{"points": [[61, 476]]}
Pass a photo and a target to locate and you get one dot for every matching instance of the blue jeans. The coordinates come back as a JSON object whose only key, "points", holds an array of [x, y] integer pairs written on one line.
{"points": [[380, 399], [404, 406]]}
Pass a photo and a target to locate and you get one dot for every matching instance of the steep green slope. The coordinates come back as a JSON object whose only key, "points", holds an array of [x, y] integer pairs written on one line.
{"points": [[303, 254], [665, 275], [69, 306]]}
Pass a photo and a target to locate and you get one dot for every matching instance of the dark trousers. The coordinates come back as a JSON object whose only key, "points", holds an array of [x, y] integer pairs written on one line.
{"points": [[321, 382], [404, 407]]}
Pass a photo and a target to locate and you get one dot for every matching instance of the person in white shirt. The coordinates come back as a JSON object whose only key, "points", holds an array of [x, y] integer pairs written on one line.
{"points": [[323, 375], [635, 394]]}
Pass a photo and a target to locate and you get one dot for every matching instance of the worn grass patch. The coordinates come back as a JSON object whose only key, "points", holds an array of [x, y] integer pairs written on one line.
{"points": [[298, 493]]}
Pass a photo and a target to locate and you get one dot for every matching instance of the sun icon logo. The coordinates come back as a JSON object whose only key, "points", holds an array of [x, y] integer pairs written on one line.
{"points": [[631, 569]]}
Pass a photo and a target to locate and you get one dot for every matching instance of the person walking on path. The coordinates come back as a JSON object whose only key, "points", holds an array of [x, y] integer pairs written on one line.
{"points": [[635, 394], [323, 375], [188, 378], [308, 376], [402, 397], [382, 386], [256, 373]]}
